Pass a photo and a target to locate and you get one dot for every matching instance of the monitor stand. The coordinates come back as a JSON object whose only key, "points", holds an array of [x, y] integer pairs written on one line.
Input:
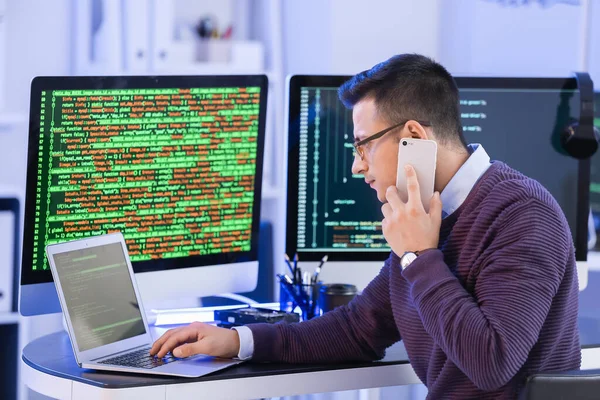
{"points": [[583, 268], [180, 313], [582, 274]]}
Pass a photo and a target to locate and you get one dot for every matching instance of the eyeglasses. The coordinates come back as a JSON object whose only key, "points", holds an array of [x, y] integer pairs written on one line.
{"points": [[358, 146]]}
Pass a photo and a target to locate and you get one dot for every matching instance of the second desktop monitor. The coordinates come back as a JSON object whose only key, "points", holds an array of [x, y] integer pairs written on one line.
{"points": [[331, 211]]}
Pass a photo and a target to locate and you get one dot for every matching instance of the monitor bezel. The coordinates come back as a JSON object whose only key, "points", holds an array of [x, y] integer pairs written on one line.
{"points": [[48, 83], [296, 82]]}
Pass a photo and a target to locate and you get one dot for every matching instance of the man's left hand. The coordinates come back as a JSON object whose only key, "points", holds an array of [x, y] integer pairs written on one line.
{"points": [[406, 226]]}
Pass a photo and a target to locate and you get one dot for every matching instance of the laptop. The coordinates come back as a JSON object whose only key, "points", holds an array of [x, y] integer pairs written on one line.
{"points": [[104, 313]]}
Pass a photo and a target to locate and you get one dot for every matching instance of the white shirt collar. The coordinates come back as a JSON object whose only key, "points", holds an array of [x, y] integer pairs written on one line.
{"points": [[459, 187]]}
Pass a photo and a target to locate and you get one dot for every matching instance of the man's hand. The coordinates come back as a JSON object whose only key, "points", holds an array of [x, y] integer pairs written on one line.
{"points": [[198, 338], [406, 226]]}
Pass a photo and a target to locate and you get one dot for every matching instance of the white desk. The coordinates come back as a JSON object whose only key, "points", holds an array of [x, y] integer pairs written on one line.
{"points": [[48, 367]]}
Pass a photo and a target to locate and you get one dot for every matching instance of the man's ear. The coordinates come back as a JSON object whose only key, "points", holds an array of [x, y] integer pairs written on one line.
{"points": [[415, 130]]}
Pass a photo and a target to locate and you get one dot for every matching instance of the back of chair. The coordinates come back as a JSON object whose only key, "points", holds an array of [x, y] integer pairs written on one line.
{"points": [[580, 385]]}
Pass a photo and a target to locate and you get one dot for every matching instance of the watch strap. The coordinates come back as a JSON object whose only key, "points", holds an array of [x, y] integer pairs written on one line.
{"points": [[419, 252]]}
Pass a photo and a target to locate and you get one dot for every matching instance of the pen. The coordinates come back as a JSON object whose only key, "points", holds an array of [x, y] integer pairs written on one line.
{"points": [[285, 283], [306, 282], [315, 296], [318, 269], [285, 278], [227, 33], [298, 279], [287, 261], [315, 287], [295, 265], [306, 278]]}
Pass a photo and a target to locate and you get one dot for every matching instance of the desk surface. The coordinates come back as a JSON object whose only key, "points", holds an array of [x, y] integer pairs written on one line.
{"points": [[51, 357]]}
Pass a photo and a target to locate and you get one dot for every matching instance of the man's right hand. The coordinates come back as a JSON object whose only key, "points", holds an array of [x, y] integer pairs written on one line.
{"points": [[198, 338]]}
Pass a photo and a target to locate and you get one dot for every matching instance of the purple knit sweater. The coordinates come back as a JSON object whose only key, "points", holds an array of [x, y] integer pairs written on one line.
{"points": [[496, 302]]}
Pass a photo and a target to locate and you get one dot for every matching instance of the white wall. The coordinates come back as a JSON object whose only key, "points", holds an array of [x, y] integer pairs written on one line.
{"points": [[307, 40], [37, 43], [366, 32], [486, 38], [469, 37], [594, 55], [348, 36]]}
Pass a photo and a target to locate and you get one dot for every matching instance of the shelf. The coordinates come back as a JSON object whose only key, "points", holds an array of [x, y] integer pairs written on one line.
{"points": [[9, 318]]}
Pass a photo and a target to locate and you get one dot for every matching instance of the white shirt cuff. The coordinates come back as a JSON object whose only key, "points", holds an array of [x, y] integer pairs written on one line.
{"points": [[246, 342]]}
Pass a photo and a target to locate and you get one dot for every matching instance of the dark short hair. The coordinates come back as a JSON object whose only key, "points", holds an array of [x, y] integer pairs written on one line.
{"points": [[410, 86]]}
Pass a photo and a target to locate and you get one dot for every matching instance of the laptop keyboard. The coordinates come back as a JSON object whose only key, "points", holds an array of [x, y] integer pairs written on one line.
{"points": [[139, 359]]}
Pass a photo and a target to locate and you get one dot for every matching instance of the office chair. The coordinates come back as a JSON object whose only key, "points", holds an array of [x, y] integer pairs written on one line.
{"points": [[580, 385]]}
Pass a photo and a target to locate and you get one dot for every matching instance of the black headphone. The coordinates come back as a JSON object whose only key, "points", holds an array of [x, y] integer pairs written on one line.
{"points": [[580, 138]]}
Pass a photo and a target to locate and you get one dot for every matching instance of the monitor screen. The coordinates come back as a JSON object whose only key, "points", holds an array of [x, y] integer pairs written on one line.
{"points": [[173, 162], [98, 316], [331, 211]]}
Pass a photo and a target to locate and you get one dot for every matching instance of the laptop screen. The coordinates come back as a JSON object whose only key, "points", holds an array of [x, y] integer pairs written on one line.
{"points": [[99, 295]]}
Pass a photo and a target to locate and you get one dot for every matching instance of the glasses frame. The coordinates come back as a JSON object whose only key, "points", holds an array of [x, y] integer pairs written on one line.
{"points": [[358, 145]]}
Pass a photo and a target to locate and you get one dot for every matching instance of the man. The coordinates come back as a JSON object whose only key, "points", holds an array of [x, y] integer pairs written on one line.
{"points": [[482, 289]]}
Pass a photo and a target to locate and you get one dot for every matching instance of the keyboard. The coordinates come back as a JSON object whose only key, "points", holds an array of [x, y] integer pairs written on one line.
{"points": [[139, 359]]}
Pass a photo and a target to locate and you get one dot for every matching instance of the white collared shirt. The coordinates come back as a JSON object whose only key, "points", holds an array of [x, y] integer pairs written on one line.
{"points": [[459, 187]]}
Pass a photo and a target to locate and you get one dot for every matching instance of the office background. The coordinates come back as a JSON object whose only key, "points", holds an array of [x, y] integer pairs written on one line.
{"points": [[470, 37]]}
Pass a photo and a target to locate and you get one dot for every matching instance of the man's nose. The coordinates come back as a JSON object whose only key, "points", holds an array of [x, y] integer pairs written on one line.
{"points": [[358, 165]]}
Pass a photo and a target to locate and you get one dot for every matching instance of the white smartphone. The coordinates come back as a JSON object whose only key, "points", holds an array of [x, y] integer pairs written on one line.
{"points": [[422, 155]]}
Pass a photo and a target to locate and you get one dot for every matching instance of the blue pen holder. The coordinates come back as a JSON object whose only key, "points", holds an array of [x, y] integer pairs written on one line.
{"points": [[301, 298]]}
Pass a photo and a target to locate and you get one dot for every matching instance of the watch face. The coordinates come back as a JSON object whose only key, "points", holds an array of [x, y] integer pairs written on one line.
{"points": [[406, 259]]}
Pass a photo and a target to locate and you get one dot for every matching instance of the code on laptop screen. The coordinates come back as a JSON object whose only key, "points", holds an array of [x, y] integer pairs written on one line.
{"points": [[99, 295]]}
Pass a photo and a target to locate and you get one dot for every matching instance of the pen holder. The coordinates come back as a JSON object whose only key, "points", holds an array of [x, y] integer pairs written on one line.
{"points": [[302, 296], [213, 50]]}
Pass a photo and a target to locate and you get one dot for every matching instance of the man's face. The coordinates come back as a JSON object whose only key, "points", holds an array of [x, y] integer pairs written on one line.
{"points": [[380, 162]]}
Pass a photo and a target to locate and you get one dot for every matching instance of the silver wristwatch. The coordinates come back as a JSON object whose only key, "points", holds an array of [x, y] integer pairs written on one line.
{"points": [[407, 259], [410, 256]]}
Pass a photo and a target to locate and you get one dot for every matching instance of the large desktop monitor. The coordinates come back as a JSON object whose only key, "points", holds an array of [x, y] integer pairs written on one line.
{"points": [[331, 211], [172, 162]]}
